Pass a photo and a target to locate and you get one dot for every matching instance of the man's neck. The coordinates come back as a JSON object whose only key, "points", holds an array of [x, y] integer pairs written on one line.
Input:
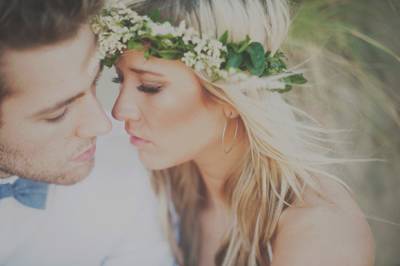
{"points": [[4, 175]]}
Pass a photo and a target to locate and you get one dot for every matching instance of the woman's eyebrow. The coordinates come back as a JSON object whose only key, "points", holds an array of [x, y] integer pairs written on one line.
{"points": [[144, 71]]}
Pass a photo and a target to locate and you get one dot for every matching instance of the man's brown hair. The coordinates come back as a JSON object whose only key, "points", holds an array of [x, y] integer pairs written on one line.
{"points": [[26, 24]]}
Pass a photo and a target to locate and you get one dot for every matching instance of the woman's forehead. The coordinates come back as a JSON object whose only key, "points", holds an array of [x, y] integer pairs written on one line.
{"points": [[137, 60]]}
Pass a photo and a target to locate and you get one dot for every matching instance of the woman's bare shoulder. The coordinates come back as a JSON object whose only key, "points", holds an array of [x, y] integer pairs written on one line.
{"points": [[328, 230]]}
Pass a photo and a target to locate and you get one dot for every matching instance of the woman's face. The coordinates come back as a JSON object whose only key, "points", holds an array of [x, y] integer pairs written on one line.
{"points": [[167, 113]]}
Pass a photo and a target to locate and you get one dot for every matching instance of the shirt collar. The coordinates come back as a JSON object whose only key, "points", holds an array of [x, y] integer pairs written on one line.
{"points": [[8, 180]]}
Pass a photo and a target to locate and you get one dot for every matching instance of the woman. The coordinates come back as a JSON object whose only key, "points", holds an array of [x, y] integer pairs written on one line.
{"points": [[235, 167]]}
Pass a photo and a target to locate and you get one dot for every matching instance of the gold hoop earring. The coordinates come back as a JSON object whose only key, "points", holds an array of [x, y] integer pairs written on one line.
{"points": [[230, 148]]}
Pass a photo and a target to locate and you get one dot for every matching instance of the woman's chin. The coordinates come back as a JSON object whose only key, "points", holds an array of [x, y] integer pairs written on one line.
{"points": [[153, 163]]}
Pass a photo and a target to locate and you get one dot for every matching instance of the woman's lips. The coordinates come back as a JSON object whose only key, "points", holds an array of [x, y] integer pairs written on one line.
{"points": [[138, 141], [134, 139], [86, 155]]}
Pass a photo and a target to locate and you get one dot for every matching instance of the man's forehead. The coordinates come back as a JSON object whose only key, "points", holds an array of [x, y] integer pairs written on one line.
{"points": [[66, 64]]}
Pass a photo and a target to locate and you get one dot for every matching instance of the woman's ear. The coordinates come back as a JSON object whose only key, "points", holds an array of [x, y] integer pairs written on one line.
{"points": [[230, 112]]}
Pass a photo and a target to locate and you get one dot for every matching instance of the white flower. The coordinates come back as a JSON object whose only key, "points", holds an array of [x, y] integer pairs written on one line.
{"points": [[162, 29], [199, 66], [201, 45], [119, 24], [186, 39], [223, 74], [181, 30], [195, 39], [126, 37], [189, 59]]}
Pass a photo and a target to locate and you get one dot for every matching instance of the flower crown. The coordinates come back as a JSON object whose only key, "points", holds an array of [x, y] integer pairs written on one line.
{"points": [[119, 28]]}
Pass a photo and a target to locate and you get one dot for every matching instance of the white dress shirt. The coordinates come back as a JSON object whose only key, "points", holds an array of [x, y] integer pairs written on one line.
{"points": [[110, 218]]}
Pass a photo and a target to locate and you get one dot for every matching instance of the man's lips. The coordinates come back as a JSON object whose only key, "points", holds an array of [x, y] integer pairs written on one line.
{"points": [[86, 155]]}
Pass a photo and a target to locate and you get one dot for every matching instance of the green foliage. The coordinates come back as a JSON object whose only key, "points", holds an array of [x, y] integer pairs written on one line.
{"points": [[110, 61], [245, 55], [251, 56], [224, 38], [257, 58], [155, 15], [134, 45]]}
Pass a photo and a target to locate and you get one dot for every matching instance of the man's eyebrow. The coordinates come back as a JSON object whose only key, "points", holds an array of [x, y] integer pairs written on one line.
{"points": [[59, 105], [63, 103]]}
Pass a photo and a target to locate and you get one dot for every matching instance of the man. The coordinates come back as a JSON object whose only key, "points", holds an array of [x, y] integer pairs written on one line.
{"points": [[54, 210]]}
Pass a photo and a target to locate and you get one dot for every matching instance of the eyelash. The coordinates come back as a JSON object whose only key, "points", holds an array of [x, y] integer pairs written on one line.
{"points": [[149, 89], [142, 87], [58, 118]]}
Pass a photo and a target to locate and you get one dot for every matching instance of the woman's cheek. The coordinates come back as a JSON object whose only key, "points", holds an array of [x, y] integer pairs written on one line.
{"points": [[170, 111]]}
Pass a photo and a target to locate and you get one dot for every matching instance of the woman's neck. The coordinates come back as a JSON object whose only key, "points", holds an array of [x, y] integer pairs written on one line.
{"points": [[216, 167]]}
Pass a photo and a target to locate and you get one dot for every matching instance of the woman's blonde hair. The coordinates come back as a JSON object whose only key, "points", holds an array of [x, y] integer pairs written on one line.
{"points": [[286, 147]]}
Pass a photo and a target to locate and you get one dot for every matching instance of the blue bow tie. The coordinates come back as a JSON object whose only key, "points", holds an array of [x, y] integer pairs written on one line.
{"points": [[28, 192]]}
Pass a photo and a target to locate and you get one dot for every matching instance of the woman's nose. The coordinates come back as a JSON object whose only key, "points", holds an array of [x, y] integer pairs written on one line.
{"points": [[125, 107]]}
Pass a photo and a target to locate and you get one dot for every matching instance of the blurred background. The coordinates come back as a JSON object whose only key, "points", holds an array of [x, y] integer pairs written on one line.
{"points": [[352, 50], [358, 90]]}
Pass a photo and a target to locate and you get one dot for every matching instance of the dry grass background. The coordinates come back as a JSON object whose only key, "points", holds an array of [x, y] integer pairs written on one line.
{"points": [[366, 34]]}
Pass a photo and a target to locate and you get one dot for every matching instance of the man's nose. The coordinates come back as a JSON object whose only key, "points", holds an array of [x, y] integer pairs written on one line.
{"points": [[94, 121]]}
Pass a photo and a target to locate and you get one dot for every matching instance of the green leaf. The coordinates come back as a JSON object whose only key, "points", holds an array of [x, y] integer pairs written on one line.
{"points": [[134, 45], [297, 79], [286, 89], [170, 54], [246, 64], [256, 52], [243, 45], [234, 60], [148, 37], [110, 61], [107, 62], [147, 54], [168, 43], [234, 47], [224, 38], [155, 15], [274, 64]]}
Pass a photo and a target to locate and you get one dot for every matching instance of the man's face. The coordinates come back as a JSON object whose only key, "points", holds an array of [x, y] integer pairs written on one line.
{"points": [[51, 121]]}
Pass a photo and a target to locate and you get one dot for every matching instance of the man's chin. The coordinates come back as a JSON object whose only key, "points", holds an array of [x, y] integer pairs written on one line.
{"points": [[76, 175]]}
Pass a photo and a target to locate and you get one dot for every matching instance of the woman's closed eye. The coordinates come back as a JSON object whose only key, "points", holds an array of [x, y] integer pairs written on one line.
{"points": [[151, 89], [146, 88]]}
